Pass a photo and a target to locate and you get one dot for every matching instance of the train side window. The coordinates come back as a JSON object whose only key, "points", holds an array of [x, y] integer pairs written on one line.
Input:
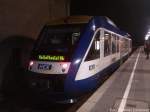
{"points": [[94, 51], [126, 45], [117, 44], [114, 44], [131, 44], [107, 44]]}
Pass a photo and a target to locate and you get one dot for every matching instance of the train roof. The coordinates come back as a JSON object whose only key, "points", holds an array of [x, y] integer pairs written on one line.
{"points": [[105, 22], [100, 21], [71, 20]]}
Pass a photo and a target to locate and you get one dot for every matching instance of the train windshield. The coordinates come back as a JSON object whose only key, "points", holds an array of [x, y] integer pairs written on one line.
{"points": [[59, 40]]}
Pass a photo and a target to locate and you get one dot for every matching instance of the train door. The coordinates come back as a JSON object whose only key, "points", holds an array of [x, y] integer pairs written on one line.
{"points": [[114, 48], [106, 49], [124, 47], [110, 50]]}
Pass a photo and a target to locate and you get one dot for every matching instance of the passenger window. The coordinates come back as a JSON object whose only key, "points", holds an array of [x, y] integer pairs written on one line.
{"points": [[126, 45], [117, 44], [114, 44], [94, 51], [107, 44]]}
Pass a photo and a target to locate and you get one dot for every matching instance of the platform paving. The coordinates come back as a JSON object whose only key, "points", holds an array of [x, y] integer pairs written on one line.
{"points": [[127, 90]]}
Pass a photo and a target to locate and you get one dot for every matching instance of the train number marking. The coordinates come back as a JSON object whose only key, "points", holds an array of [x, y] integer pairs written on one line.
{"points": [[44, 66], [91, 67]]}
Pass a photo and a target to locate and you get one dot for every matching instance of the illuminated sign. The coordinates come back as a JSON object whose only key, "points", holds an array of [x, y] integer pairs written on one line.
{"points": [[52, 58]]}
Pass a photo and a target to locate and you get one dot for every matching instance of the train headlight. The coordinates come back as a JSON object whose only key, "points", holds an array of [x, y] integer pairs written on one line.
{"points": [[77, 61], [65, 65], [93, 27], [31, 63]]}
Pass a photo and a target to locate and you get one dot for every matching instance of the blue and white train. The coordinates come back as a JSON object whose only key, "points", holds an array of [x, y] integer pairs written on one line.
{"points": [[73, 54]]}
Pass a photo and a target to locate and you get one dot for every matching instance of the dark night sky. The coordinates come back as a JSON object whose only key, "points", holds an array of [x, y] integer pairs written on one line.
{"points": [[132, 16]]}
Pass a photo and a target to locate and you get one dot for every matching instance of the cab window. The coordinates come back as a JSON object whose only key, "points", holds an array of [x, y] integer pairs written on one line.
{"points": [[94, 51]]}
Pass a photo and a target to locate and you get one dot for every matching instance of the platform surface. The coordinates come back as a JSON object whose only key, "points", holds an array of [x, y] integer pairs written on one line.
{"points": [[127, 90]]}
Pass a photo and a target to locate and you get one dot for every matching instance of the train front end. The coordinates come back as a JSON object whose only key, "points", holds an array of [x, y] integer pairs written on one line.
{"points": [[51, 60]]}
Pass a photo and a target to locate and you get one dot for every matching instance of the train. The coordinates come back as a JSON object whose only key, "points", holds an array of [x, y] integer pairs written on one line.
{"points": [[73, 54]]}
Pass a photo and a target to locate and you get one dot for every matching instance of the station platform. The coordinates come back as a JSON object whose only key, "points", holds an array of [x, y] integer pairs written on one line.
{"points": [[127, 89]]}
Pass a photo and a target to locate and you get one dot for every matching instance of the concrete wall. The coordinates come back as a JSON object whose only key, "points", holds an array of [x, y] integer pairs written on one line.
{"points": [[20, 24], [22, 17], [26, 17], [59, 8]]}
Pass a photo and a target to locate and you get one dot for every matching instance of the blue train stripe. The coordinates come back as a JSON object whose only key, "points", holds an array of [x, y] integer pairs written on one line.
{"points": [[70, 83]]}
